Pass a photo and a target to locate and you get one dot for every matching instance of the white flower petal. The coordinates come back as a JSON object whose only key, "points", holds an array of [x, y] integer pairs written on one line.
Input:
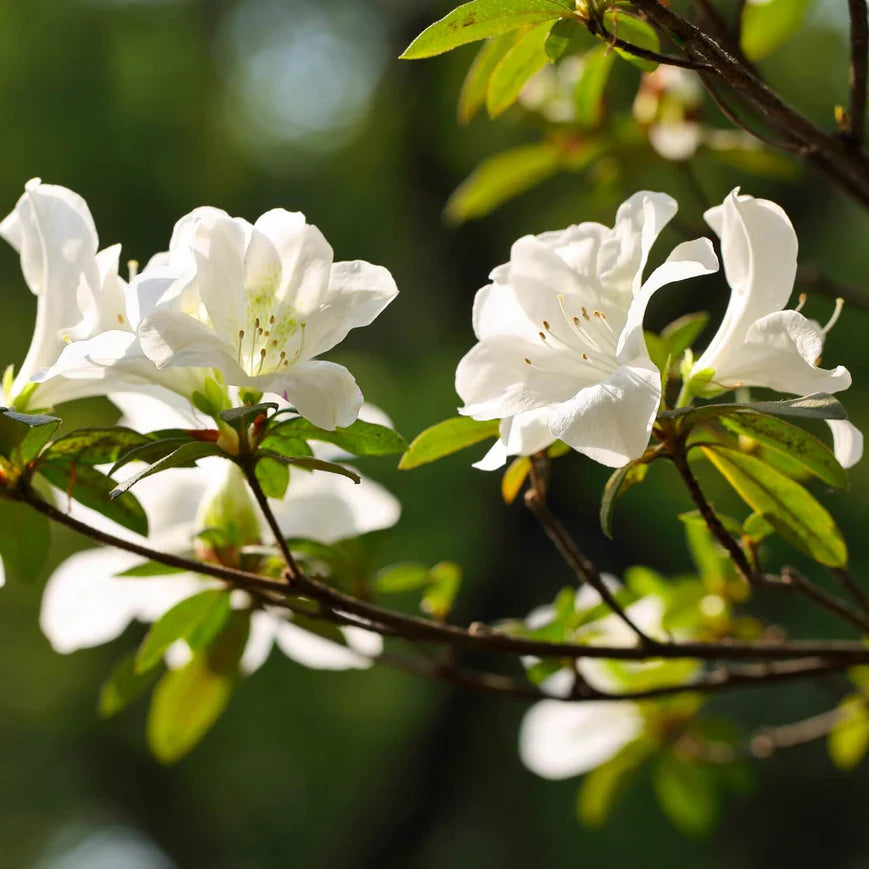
{"points": [[847, 442], [559, 740], [611, 421], [316, 652], [323, 392], [260, 641]]}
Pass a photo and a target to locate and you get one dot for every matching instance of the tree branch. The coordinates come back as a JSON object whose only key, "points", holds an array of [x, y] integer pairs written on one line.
{"points": [[858, 71], [832, 155]]}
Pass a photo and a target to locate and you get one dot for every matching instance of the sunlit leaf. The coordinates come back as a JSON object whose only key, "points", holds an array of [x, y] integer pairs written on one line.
{"points": [[94, 446], [565, 37], [196, 620], [273, 477], [361, 438], [445, 438], [445, 580], [687, 793], [767, 24], [473, 94], [407, 576], [635, 32], [797, 444], [602, 787], [523, 60], [620, 481], [481, 19], [123, 686], [787, 506], [588, 95], [683, 332], [310, 463], [849, 739], [184, 456]]}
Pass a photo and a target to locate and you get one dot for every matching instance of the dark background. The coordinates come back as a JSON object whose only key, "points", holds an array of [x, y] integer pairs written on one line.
{"points": [[149, 109]]}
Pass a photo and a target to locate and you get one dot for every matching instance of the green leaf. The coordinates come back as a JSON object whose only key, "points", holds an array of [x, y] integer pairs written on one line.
{"points": [[602, 787], [152, 451], [94, 489], [503, 177], [767, 25], [658, 352], [445, 579], [397, 578], [310, 464], [523, 60], [123, 686], [713, 564], [445, 438], [25, 538], [94, 446], [819, 405], [631, 474], [187, 702], [565, 37], [236, 416], [784, 437], [589, 92], [481, 19], [787, 506], [635, 32], [361, 438], [473, 94], [273, 477], [683, 332], [184, 456], [849, 739], [23, 435], [757, 528], [687, 794], [197, 620], [149, 568]]}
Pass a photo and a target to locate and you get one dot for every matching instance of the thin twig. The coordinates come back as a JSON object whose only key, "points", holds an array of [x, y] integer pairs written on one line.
{"points": [[792, 579], [844, 577], [858, 70], [582, 566], [293, 571], [389, 622]]}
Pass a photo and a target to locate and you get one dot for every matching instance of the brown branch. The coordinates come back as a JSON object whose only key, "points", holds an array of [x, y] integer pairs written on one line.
{"points": [[293, 572], [391, 623], [858, 70], [844, 577], [582, 566], [833, 156], [791, 579]]}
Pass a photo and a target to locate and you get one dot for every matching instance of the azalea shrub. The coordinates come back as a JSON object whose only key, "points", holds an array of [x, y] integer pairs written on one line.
{"points": [[225, 509]]}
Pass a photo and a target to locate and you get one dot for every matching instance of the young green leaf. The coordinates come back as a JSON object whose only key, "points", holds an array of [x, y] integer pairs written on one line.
{"points": [[149, 568], [687, 793], [523, 60], [187, 702], [635, 32], [784, 437], [247, 413], [408, 576], [819, 405], [309, 464], [473, 94], [767, 24], [683, 332], [602, 787], [123, 686], [153, 451], [565, 37], [23, 435], [620, 481], [196, 620], [25, 538], [589, 92], [787, 506], [94, 489], [445, 438], [273, 477], [445, 579], [361, 438], [503, 177], [184, 456], [849, 739], [94, 446], [481, 19]]}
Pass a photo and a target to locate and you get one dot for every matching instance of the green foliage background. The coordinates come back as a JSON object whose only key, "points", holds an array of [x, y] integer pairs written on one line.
{"points": [[142, 108]]}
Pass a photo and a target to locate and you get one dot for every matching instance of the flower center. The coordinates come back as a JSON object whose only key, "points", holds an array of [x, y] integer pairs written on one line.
{"points": [[269, 344], [585, 336]]}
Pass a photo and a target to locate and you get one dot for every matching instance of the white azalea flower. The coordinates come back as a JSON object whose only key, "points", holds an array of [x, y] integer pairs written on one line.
{"points": [[259, 302], [84, 340], [560, 334], [85, 603], [758, 343], [560, 740]]}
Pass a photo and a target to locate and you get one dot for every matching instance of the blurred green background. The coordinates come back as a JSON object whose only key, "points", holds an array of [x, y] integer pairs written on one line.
{"points": [[149, 109]]}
